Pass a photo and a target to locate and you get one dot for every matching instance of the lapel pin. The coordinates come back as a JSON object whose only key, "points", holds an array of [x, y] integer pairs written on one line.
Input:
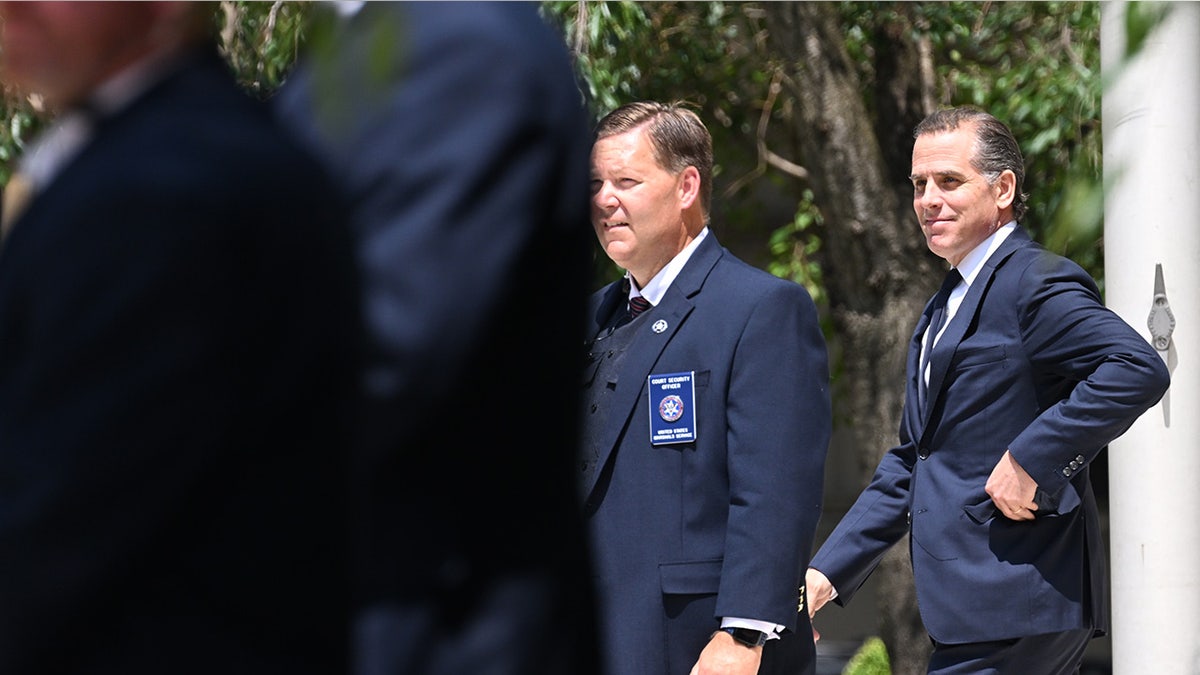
{"points": [[659, 326]]}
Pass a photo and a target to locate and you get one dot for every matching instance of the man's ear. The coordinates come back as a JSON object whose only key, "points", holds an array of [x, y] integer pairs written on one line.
{"points": [[689, 187], [1006, 189]]}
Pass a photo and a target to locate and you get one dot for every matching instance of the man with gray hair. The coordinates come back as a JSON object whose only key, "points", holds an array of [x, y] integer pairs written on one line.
{"points": [[1017, 378]]}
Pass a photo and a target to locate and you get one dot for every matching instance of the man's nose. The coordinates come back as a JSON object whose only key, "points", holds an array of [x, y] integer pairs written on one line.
{"points": [[928, 197], [604, 197]]}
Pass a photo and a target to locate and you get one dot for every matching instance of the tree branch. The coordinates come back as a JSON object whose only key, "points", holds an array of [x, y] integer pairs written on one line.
{"points": [[765, 156]]}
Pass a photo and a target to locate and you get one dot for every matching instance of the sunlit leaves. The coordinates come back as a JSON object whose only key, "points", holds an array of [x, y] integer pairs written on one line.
{"points": [[1034, 65], [21, 122], [261, 40]]}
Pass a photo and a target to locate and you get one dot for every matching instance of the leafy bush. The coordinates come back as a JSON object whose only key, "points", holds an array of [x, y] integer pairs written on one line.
{"points": [[870, 659]]}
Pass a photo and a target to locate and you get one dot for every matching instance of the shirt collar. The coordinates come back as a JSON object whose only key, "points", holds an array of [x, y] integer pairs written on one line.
{"points": [[121, 89], [657, 287], [73, 128], [970, 265]]}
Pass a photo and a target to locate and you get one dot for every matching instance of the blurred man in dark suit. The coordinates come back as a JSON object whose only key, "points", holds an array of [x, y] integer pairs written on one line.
{"points": [[458, 134], [176, 325]]}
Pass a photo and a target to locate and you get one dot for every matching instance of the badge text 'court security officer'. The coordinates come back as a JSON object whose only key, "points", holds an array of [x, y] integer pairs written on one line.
{"points": [[672, 408]]}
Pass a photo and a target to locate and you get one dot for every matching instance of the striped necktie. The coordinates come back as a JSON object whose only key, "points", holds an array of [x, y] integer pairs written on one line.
{"points": [[637, 305]]}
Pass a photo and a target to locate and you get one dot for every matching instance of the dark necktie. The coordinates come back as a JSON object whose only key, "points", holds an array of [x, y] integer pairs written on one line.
{"points": [[936, 322], [637, 305]]}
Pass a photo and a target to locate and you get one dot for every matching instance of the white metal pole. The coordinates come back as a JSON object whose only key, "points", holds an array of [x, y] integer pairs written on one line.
{"points": [[1151, 127]]}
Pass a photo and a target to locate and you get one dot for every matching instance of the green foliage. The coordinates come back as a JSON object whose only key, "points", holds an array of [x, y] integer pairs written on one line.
{"points": [[793, 249], [1034, 65], [261, 40], [695, 52], [599, 35], [1141, 18], [21, 121], [707, 54], [870, 659], [626, 51]]}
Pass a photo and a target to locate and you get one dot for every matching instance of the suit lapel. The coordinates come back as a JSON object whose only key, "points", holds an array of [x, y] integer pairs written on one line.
{"points": [[654, 333], [603, 306], [943, 352]]}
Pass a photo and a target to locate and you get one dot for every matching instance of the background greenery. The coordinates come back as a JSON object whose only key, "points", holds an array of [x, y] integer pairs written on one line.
{"points": [[1035, 65]]}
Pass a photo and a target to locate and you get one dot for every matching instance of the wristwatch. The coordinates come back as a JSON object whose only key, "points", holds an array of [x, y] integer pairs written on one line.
{"points": [[747, 636]]}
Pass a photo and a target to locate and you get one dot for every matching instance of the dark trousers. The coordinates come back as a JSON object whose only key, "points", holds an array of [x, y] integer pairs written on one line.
{"points": [[521, 625], [1049, 654], [792, 654]]}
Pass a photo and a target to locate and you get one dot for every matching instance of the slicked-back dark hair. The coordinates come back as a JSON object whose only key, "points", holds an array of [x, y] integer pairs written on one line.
{"points": [[995, 147], [677, 137]]}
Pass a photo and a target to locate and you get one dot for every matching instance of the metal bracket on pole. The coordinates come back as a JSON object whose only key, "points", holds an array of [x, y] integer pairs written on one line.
{"points": [[1161, 321]]}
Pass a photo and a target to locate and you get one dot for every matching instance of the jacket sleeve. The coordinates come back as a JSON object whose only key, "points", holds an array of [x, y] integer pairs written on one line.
{"points": [[877, 520], [779, 425], [1110, 375]]}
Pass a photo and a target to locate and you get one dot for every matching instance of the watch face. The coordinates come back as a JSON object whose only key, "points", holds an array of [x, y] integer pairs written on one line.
{"points": [[748, 636]]}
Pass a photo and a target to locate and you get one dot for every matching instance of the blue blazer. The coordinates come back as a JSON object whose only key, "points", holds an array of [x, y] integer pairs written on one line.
{"points": [[722, 526], [1032, 363]]}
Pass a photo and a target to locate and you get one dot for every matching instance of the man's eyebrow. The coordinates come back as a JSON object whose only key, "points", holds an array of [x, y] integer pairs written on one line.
{"points": [[947, 172]]}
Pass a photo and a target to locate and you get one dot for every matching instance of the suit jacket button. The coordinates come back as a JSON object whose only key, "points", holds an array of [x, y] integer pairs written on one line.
{"points": [[1067, 472], [923, 453], [908, 517], [1079, 458]]}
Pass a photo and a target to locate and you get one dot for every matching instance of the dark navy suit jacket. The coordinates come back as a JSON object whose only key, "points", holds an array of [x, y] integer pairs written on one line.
{"points": [[457, 133], [1033, 363], [177, 327], [722, 526]]}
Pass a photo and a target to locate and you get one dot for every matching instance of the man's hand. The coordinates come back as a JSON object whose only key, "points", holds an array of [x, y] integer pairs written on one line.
{"points": [[725, 656], [1012, 489], [819, 592]]}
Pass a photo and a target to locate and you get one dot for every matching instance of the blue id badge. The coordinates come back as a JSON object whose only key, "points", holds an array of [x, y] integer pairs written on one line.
{"points": [[672, 408]]}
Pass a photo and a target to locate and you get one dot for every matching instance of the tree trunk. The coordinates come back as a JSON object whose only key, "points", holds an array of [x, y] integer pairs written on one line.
{"points": [[878, 272]]}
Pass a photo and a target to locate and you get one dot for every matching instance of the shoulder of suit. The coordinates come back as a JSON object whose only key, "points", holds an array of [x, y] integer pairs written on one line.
{"points": [[1036, 271], [735, 283], [730, 265]]}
